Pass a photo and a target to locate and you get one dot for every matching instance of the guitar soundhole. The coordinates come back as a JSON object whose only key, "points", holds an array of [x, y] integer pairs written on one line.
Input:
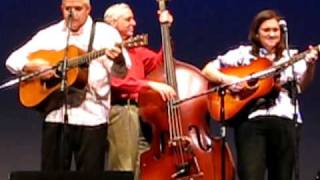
{"points": [[252, 82], [50, 83]]}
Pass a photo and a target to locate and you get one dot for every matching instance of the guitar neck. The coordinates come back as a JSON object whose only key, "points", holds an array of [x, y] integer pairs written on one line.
{"points": [[75, 62], [139, 40], [279, 67], [297, 58]]}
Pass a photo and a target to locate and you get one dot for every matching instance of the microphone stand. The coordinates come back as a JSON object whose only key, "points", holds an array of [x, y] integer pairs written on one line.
{"points": [[317, 176], [294, 95], [25, 77], [223, 130], [64, 89]]}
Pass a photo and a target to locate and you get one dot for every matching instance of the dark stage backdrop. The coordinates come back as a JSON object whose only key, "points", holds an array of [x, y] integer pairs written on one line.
{"points": [[202, 29]]}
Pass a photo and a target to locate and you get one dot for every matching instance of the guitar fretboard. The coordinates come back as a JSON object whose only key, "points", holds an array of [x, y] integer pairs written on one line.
{"points": [[75, 62], [139, 40], [296, 58]]}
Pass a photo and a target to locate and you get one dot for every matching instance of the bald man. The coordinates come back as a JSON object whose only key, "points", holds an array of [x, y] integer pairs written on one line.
{"points": [[81, 132]]}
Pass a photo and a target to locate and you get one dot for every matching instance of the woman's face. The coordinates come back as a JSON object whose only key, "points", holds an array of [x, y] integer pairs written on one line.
{"points": [[269, 34]]}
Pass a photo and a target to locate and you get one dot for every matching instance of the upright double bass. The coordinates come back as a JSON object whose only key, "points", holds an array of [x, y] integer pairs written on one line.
{"points": [[181, 147]]}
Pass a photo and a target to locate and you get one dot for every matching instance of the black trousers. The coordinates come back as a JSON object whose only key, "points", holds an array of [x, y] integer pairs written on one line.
{"points": [[87, 144], [266, 144]]}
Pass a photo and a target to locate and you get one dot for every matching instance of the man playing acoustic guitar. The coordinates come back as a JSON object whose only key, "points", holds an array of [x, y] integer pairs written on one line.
{"points": [[88, 108], [265, 136]]}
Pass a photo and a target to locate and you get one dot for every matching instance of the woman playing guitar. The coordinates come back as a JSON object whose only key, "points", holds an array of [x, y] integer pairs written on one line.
{"points": [[265, 137]]}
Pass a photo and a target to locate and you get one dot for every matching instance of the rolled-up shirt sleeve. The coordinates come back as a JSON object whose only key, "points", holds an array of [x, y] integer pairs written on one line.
{"points": [[19, 58]]}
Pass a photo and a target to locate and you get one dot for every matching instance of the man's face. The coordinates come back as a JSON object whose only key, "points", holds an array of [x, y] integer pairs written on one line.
{"points": [[80, 12], [125, 24]]}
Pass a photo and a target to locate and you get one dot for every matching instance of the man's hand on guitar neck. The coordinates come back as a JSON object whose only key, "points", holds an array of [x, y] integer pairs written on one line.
{"points": [[114, 53], [118, 67], [40, 65]]}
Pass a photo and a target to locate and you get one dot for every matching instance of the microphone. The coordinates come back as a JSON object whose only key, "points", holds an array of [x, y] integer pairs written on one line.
{"points": [[283, 25], [69, 18], [71, 14]]}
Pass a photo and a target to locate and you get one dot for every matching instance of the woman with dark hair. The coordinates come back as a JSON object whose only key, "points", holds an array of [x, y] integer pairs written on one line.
{"points": [[265, 136], [254, 31]]}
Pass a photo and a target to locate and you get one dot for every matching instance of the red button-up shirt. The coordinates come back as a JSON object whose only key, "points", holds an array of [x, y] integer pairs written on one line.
{"points": [[143, 62]]}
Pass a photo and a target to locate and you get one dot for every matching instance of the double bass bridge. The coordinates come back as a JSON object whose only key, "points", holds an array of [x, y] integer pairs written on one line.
{"points": [[188, 168], [182, 174]]}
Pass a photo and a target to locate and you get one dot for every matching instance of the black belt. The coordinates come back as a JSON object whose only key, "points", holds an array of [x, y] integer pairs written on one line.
{"points": [[124, 102]]}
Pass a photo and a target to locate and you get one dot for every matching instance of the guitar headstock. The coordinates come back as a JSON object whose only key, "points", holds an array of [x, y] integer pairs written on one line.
{"points": [[136, 41]]}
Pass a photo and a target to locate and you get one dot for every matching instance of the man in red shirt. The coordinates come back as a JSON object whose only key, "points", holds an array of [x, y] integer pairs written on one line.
{"points": [[124, 134]]}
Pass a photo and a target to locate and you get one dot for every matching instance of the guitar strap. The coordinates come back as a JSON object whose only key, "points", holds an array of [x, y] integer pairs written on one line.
{"points": [[93, 30], [288, 86], [92, 33], [266, 101]]}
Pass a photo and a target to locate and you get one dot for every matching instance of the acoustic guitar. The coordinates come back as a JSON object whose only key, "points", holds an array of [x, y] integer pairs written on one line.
{"points": [[258, 77], [33, 91]]}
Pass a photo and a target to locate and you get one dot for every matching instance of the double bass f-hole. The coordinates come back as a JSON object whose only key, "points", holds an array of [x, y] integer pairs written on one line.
{"points": [[205, 143]]}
